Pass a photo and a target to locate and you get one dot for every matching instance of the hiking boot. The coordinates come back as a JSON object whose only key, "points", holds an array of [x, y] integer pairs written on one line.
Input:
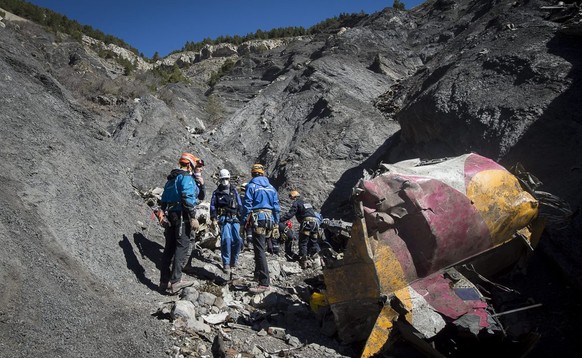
{"points": [[292, 257], [226, 269], [303, 262], [177, 286], [164, 286], [259, 289]]}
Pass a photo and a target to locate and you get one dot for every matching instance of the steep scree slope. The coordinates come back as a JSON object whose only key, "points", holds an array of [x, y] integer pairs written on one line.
{"points": [[490, 76], [67, 224]]}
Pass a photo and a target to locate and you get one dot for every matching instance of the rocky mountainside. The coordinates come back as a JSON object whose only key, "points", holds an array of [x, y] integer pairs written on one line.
{"points": [[82, 141]]}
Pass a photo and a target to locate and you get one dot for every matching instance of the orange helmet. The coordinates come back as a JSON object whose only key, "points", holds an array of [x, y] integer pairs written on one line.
{"points": [[258, 169], [186, 158], [294, 194]]}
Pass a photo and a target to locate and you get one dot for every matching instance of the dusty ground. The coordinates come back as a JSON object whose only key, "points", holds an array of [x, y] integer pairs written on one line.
{"points": [[246, 330]]}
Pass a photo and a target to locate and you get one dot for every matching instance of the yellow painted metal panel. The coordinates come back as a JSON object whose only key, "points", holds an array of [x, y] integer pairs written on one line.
{"points": [[405, 299], [356, 278], [503, 204], [381, 332], [389, 270]]}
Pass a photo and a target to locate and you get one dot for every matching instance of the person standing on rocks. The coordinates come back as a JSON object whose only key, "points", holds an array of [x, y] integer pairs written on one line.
{"points": [[260, 212], [308, 225], [199, 180], [225, 209], [246, 232], [288, 236], [178, 204]]}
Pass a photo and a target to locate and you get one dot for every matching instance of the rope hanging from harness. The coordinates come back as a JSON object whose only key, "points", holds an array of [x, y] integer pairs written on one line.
{"points": [[262, 221], [310, 226]]}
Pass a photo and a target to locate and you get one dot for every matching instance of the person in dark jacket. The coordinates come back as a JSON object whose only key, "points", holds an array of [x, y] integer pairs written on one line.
{"points": [[288, 236], [225, 208], [199, 180], [308, 225], [261, 212], [178, 202]]}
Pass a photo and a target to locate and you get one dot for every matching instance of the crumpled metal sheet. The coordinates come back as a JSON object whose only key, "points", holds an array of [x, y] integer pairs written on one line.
{"points": [[415, 221], [441, 217], [421, 314], [437, 291]]}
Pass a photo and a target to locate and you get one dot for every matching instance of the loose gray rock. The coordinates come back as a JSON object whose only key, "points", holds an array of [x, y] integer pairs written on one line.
{"points": [[293, 341], [191, 294], [184, 309], [206, 299], [262, 333], [215, 318], [274, 268], [291, 268], [198, 325]]}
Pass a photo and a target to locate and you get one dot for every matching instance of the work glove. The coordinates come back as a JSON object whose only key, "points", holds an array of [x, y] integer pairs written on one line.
{"points": [[198, 177], [194, 224], [275, 233]]}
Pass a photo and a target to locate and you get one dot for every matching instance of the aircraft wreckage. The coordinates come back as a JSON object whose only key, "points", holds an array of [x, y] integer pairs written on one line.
{"points": [[419, 226]]}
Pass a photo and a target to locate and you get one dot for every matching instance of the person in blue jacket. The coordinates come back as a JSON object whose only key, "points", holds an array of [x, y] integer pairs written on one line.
{"points": [[260, 212], [178, 203], [225, 207]]}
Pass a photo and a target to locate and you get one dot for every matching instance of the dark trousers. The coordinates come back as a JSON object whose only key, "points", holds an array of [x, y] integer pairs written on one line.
{"points": [[261, 267], [289, 240], [289, 236], [273, 245], [248, 237], [308, 238], [308, 244], [177, 247]]}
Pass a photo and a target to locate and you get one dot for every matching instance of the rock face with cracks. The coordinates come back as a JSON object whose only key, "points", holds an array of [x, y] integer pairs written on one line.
{"points": [[82, 142]]}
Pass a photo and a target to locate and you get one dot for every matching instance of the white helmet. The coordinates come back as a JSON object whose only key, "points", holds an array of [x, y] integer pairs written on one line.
{"points": [[224, 174]]}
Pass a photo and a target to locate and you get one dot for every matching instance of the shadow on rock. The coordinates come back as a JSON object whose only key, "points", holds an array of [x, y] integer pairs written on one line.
{"points": [[338, 202], [203, 270], [148, 249], [134, 265], [295, 322]]}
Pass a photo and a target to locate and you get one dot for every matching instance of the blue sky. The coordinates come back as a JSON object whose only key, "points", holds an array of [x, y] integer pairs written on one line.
{"points": [[165, 26]]}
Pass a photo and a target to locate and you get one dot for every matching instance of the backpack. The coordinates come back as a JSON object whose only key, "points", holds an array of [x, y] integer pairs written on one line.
{"points": [[170, 194], [227, 200]]}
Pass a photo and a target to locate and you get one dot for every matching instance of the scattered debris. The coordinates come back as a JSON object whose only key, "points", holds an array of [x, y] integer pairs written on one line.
{"points": [[427, 236], [417, 222]]}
